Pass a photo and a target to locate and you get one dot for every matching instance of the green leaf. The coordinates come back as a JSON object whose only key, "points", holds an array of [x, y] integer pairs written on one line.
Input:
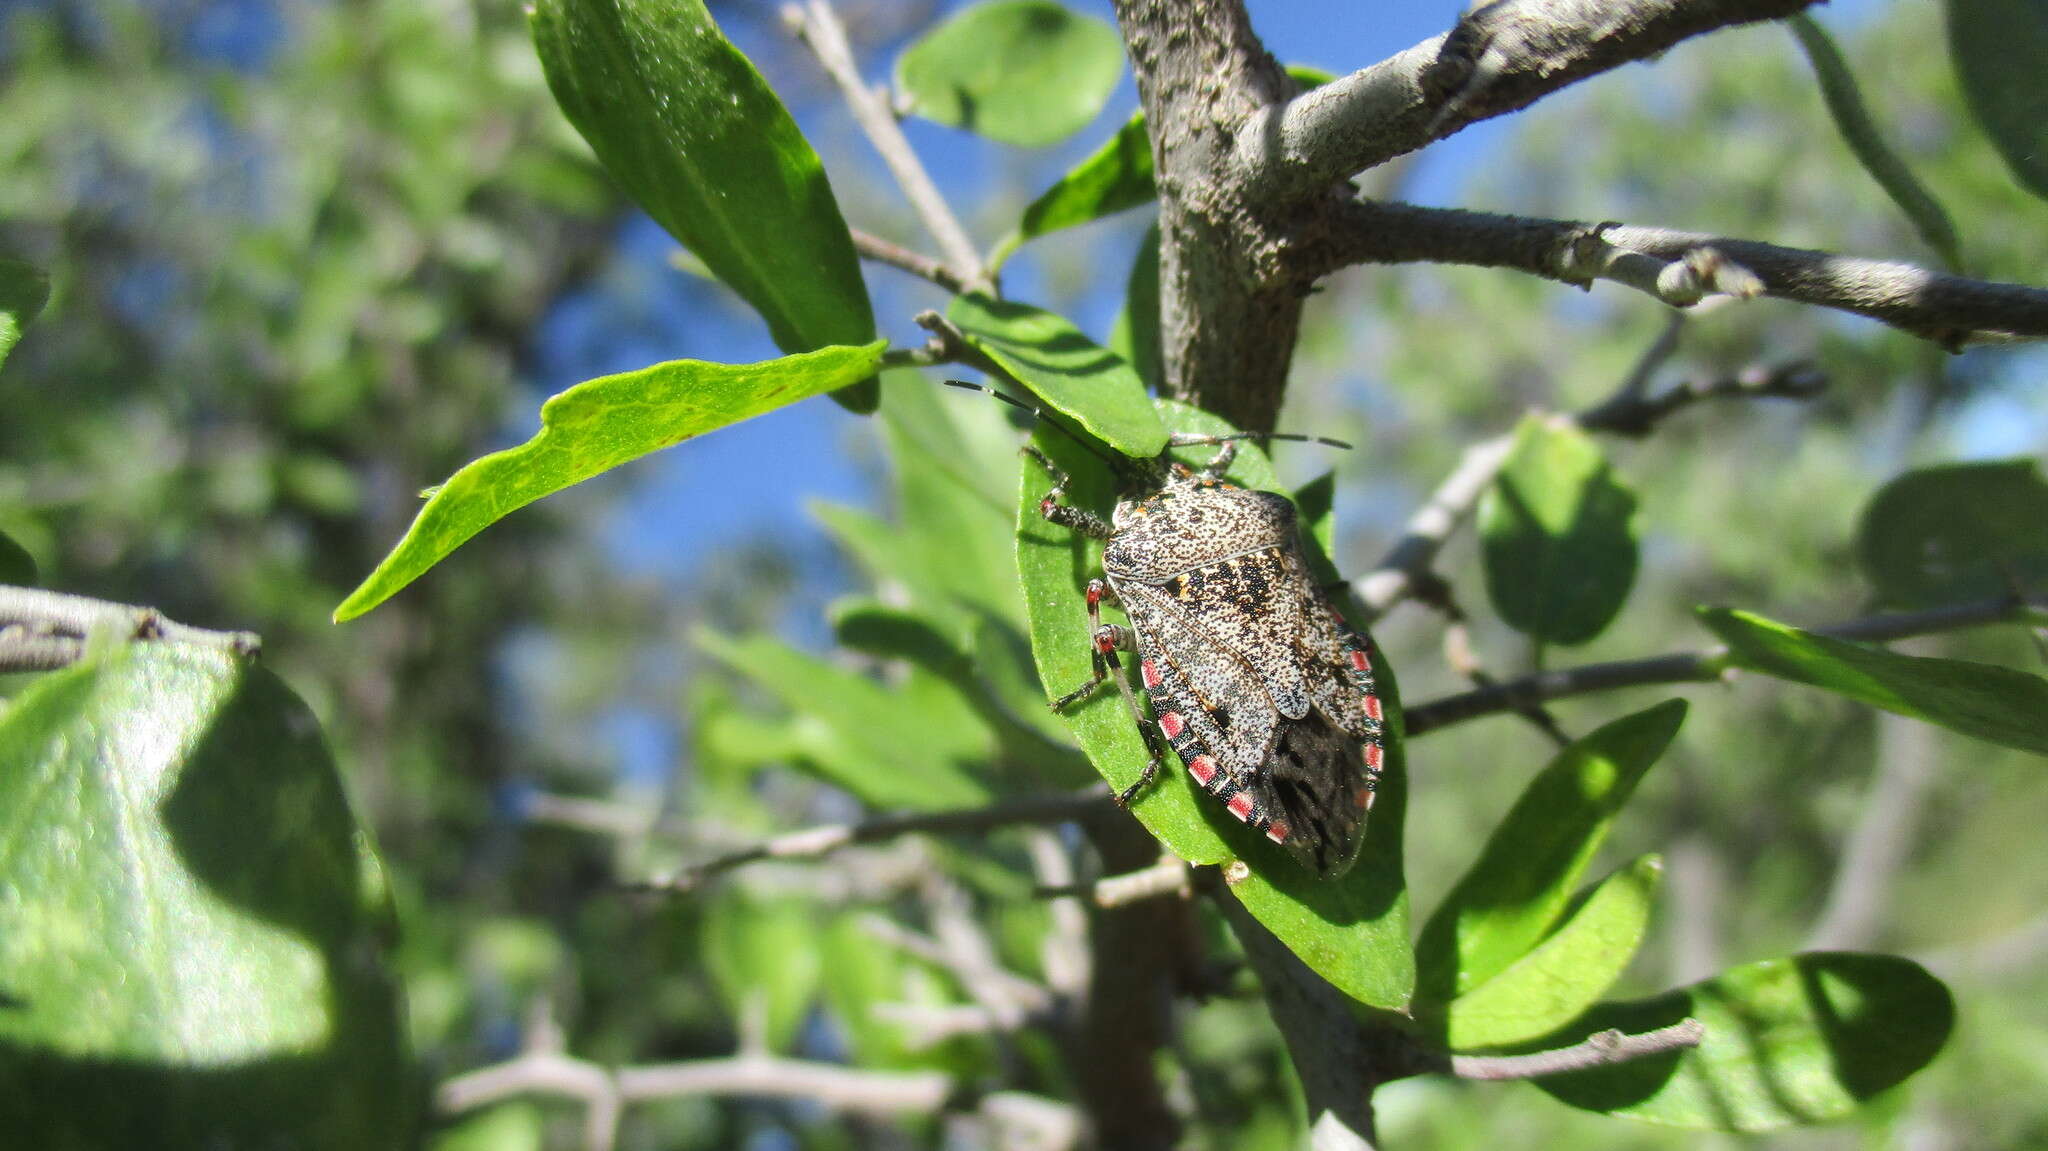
{"points": [[763, 954], [1566, 973], [690, 130], [1136, 334], [194, 933], [1852, 118], [1353, 931], [1957, 532], [1076, 376], [1998, 46], [514, 1126], [594, 427], [1115, 177], [1025, 72], [1788, 1042], [1557, 535], [906, 748], [1520, 885], [17, 567], [23, 292], [1995, 704]]}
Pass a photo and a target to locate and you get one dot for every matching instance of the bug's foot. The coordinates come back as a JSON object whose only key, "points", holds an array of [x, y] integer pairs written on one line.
{"points": [[1123, 798]]}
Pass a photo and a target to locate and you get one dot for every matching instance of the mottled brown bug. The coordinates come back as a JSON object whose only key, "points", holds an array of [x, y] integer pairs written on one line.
{"points": [[1253, 676]]}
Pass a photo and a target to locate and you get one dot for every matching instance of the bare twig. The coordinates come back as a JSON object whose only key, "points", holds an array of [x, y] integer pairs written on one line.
{"points": [[1005, 995], [1404, 571], [873, 247], [1601, 1049], [544, 1073], [1677, 267], [818, 25], [816, 842], [1464, 659], [1500, 57], [1169, 876], [1701, 666]]}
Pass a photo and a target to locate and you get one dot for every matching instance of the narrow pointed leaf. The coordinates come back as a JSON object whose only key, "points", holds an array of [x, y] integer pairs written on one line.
{"points": [[1566, 973], [1557, 535], [1074, 375], [1025, 72], [1994, 704], [1353, 931], [688, 128], [1957, 532], [1523, 880], [194, 932], [1998, 46], [594, 427], [1136, 334], [912, 746], [1859, 130], [1115, 177], [1788, 1042], [23, 291]]}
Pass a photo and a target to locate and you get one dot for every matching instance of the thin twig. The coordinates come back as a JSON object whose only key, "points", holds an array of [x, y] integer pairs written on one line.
{"points": [[1464, 659], [1859, 896], [1169, 876], [1404, 572], [1500, 57], [1701, 666], [818, 25], [1602, 1049], [1677, 267], [817, 842], [875, 248]]}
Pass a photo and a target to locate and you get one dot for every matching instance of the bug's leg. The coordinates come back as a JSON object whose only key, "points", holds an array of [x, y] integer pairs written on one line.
{"points": [[1103, 644], [1066, 515], [1155, 754]]}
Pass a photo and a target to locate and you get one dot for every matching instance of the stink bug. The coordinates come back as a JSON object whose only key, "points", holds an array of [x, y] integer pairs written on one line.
{"points": [[1254, 679]]}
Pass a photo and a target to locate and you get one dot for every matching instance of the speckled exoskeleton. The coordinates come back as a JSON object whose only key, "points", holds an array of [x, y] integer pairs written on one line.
{"points": [[1253, 676]]}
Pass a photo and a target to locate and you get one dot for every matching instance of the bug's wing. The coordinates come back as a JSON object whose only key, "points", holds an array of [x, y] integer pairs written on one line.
{"points": [[1315, 786], [1213, 691], [1243, 603]]}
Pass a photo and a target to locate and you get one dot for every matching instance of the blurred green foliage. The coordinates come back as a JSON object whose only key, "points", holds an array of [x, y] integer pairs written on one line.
{"points": [[284, 293]]}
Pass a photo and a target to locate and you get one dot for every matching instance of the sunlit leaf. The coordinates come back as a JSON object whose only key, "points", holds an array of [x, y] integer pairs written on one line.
{"points": [[1566, 973], [194, 931], [762, 951], [1515, 892], [1957, 532], [1025, 72], [1995, 704], [1136, 334], [911, 746], [1115, 177], [690, 130], [1070, 372], [23, 291], [594, 427], [1558, 535], [1353, 931], [1998, 46], [1788, 1042]]}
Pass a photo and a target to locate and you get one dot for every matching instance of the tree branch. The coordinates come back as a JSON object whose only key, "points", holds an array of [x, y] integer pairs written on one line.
{"points": [[1405, 570], [1701, 666], [873, 247], [817, 842], [1680, 267], [1602, 1049], [1500, 57], [46, 630], [818, 26]]}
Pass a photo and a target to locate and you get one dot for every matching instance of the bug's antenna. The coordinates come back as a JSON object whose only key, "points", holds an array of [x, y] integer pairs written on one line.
{"points": [[1043, 419], [1189, 440]]}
